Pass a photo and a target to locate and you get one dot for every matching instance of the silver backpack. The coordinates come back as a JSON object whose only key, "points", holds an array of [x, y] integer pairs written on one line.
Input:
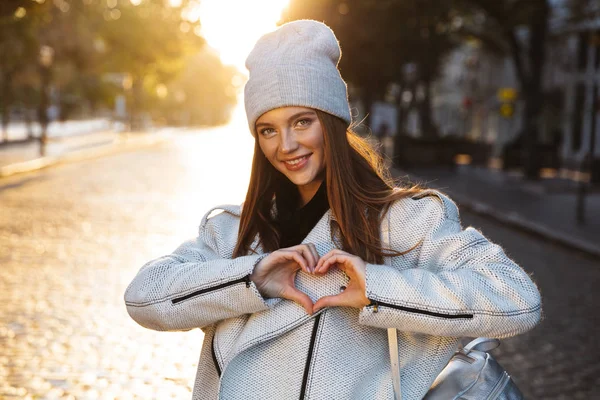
{"points": [[471, 374]]}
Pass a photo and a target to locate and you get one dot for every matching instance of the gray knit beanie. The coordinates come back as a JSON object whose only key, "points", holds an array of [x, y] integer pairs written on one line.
{"points": [[296, 65]]}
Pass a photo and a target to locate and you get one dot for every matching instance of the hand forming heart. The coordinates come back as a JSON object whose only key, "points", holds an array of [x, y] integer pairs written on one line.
{"points": [[274, 276], [355, 269]]}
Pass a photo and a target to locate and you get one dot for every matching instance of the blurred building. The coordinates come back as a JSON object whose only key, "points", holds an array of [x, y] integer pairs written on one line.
{"points": [[575, 68], [477, 96], [466, 98]]}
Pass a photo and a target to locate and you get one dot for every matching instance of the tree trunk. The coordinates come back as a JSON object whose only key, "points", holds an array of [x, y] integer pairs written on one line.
{"points": [[28, 124], [530, 80], [136, 104], [428, 128], [6, 103], [368, 99], [5, 122], [400, 115], [533, 91], [43, 108]]}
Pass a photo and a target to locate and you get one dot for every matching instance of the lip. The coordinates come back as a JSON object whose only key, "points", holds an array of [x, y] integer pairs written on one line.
{"points": [[298, 166]]}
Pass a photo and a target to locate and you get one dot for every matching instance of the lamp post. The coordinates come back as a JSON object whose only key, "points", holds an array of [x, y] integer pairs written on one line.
{"points": [[46, 59]]}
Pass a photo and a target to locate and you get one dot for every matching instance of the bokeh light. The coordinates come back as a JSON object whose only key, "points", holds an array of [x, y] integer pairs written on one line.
{"points": [[233, 26]]}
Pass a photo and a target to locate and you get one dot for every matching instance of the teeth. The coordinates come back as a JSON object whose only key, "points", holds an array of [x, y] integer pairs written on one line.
{"points": [[296, 161]]}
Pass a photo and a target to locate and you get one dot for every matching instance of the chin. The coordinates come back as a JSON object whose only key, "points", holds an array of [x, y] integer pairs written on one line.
{"points": [[299, 180]]}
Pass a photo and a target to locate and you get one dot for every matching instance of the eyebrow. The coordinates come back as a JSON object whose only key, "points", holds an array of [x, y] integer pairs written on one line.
{"points": [[300, 114]]}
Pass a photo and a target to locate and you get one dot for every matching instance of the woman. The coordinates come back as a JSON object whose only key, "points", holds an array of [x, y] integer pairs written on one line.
{"points": [[294, 290]]}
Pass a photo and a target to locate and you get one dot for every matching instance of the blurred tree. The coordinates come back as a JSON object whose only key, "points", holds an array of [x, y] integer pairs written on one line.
{"points": [[18, 49], [148, 41], [575, 11], [72, 33], [521, 29], [379, 37], [79, 54], [204, 94]]}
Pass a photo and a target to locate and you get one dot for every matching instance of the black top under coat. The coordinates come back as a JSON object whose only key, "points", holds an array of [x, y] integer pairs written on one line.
{"points": [[295, 223]]}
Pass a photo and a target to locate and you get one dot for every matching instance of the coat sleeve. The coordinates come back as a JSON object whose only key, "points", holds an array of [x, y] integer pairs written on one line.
{"points": [[195, 286], [462, 285]]}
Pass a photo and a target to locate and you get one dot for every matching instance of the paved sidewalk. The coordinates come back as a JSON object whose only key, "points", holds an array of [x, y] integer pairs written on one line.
{"points": [[546, 208], [19, 131], [24, 157], [16, 152]]}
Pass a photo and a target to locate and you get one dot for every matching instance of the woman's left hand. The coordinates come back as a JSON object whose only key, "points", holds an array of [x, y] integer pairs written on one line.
{"points": [[355, 268]]}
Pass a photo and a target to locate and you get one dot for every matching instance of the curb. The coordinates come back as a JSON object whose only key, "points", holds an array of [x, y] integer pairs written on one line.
{"points": [[17, 142], [514, 220], [120, 145]]}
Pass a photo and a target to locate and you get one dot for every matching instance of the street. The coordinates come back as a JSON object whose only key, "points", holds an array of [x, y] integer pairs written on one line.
{"points": [[73, 236]]}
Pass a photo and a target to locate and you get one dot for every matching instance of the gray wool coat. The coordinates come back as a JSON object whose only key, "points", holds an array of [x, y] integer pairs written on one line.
{"points": [[454, 284]]}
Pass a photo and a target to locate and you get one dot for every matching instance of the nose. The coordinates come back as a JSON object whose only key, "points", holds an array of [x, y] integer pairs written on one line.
{"points": [[287, 143]]}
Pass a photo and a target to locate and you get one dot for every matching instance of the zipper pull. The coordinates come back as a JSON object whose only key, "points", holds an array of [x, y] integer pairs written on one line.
{"points": [[247, 280], [375, 306]]}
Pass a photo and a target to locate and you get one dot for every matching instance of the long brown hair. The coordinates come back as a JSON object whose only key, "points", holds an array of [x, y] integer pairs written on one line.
{"points": [[360, 190]]}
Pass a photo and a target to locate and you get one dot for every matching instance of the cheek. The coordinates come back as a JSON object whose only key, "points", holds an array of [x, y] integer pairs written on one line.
{"points": [[318, 146], [317, 140], [266, 149]]}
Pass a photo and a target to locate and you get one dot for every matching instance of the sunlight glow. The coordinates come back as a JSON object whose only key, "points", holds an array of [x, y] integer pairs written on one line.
{"points": [[233, 26]]}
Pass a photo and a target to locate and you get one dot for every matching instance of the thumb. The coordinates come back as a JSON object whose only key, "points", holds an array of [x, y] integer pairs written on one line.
{"points": [[301, 298], [328, 301]]}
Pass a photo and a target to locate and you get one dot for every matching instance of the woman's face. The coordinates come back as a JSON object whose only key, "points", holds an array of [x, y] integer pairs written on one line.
{"points": [[292, 140]]}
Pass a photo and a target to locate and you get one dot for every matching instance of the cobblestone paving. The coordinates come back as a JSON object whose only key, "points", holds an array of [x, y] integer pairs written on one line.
{"points": [[560, 358], [72, 237]]}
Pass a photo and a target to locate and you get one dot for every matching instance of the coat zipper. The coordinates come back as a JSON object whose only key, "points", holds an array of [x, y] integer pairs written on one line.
{"points": [[245, 279], [214, 355], [311, 348], [499, 386], [376, 304]]}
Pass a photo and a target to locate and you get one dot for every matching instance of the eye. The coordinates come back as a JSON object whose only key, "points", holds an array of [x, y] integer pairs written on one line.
{"points": [[304, 122], [266, 131]]}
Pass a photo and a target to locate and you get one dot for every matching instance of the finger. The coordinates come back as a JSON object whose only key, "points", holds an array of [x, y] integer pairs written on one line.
{"points": [[305, 252], [335, 260], [322, 260], [308, 255], [300, 298], [313, 248], [296, 256], [327, 256]]}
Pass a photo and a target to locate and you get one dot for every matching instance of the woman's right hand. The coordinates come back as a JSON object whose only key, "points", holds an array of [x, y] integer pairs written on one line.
{"points": [[274, 275]]}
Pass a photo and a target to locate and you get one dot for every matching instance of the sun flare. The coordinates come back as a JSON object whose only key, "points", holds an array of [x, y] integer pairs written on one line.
{"points": [[233, 26]]}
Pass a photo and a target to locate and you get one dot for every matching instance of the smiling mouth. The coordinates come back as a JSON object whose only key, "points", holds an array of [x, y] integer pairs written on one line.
{"points": [[296, 161], [296, 164]]}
